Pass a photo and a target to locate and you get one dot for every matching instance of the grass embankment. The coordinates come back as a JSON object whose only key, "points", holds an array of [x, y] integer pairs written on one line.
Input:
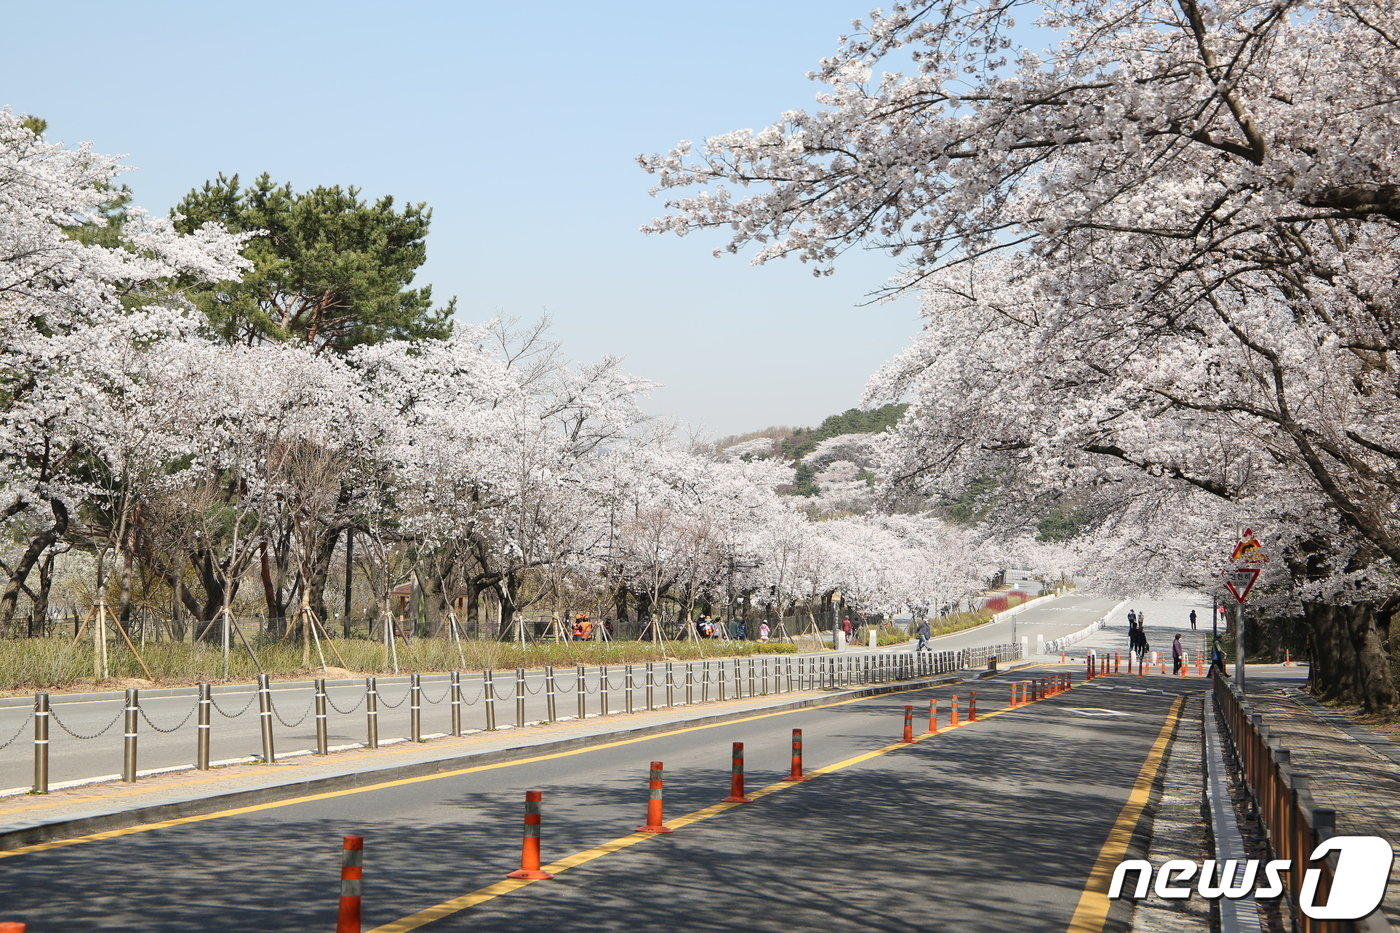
{"points": [[57, 664]]}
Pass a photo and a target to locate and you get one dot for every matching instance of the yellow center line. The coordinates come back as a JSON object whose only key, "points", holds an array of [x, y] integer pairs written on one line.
{"points": [[458, 904], [1091, 913], [457, 772]]}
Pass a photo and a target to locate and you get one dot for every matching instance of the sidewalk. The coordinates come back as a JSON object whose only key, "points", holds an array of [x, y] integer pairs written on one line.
{"points": [[1353, 770], [187, 793]]}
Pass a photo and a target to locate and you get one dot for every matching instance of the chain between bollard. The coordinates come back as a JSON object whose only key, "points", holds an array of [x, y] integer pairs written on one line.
{"points": [[175, 728]]}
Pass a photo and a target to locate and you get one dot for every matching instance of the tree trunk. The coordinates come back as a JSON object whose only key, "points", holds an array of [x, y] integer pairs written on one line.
{"points": [[37, 545], [1350, 663]]}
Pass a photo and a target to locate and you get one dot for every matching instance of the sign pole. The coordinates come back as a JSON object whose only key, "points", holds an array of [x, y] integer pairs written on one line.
{"points": [[1239, 646]]}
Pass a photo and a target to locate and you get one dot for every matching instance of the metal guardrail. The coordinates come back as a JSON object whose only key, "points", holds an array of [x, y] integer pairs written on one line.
{"points": [[1295, 824], [811, 672]]}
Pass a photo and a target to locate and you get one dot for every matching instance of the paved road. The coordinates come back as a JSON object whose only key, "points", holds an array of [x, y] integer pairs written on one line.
{"points": [[994, 826]]}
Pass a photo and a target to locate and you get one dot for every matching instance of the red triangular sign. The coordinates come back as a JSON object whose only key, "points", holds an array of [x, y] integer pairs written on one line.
{"points": [[1240, 580]]}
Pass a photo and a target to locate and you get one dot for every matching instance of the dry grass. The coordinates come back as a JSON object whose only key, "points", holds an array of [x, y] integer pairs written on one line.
{"points": [[33, 664]]}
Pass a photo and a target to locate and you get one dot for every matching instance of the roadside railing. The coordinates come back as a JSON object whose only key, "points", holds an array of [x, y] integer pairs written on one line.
{"points": [[643, 687], [1295, 824]]}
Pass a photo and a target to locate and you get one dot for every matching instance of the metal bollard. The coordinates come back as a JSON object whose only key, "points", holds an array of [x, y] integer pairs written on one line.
{"points": [[650, 681], [415, 707], [628, 687], [265, 716], [603, 689], [704, 681], [41, 743], [519, 697], [580, 693], [456, 702], [723, 687], [488, 691], [865, 670], [738, 681], [201, 752], [689, 682], [132, 711], [767, 687], [551, 714], [787, 674], [371, 712], [322, 737], [752, 690], [670, 685]]}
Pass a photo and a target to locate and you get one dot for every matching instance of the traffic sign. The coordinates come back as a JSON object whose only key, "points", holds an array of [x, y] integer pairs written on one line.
{"points": [[1240, 580]]}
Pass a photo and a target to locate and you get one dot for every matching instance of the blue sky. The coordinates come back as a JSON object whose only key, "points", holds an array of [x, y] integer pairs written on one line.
{"points": [[519, 125]]}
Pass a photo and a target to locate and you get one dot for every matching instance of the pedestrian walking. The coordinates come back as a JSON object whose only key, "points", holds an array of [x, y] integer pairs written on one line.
{"points": [[1178, 654], [763, 630], [1142, 618], [923, 644], [1217, 659], [1193, 620], [1132, 618]]}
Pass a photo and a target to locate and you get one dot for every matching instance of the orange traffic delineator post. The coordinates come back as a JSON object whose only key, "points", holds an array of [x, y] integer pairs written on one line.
{"points": [[1162, 667], [530, 845], [908, 724], [953, 712], [972, 707], [1287, 658], [1062, 657], [11, 928], [1141, 664], [796, 773], [932, 716], [736, 776], [656, 823], [352, 852], [1117, 659], [1200, 666]]}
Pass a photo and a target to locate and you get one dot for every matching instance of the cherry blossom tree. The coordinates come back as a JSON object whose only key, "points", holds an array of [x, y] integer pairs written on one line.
{"points": [[1159, 266]]}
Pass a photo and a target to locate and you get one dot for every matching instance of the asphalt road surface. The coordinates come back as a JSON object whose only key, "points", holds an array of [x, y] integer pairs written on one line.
{"points": [[996, 825]]}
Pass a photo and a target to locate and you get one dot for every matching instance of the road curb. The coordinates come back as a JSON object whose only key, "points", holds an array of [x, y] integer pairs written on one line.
{"points": [[17, 836]]}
